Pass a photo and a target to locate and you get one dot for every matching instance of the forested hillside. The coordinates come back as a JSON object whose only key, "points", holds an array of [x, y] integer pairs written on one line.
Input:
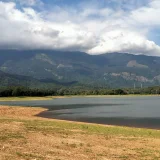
{"points": [[45, 67]]}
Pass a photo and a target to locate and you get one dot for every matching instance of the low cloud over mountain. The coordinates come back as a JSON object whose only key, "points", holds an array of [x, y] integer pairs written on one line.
{"points": [[93, 26]]}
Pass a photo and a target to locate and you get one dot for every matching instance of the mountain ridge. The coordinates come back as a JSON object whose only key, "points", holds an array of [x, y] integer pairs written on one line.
{"points": [[112, 69]]}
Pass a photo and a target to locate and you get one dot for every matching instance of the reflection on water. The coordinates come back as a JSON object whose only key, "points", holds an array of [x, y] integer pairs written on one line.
{"points": [[128, 111]]}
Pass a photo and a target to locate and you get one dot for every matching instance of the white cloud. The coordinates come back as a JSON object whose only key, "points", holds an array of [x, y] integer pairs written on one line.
{"points": [[148, 15], [93, 30], [122, 40], [28, 30]]}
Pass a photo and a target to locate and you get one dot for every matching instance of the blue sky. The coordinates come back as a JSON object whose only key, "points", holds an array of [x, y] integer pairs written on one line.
{"points": [[92, 26], [126, 5]]}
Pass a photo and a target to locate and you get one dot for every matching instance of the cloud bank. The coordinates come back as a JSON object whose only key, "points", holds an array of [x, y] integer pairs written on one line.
{"points": [[89, 27]]}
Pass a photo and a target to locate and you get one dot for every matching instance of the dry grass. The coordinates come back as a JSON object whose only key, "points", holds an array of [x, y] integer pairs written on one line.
{"points": [[24, 98], [26, 137], [20, 112]]}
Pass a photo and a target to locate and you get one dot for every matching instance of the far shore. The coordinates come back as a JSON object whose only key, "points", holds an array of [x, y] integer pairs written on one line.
{"points": [[25, 98]]}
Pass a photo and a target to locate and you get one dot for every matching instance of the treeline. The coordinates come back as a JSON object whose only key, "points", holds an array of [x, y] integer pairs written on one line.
{"points": [[23, 91]]}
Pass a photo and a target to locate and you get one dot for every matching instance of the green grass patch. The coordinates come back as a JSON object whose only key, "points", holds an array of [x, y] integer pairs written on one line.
{"points": [[68, 127]]}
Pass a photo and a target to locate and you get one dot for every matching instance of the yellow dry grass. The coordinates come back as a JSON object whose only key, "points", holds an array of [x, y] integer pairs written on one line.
{"points": [[23, 136]]}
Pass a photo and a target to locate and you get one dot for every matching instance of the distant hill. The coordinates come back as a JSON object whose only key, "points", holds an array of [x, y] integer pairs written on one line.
{"points": [[68, 68], [7, 80]]}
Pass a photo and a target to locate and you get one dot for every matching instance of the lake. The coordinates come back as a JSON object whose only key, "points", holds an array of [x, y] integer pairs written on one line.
{"points": [[142, 111]]}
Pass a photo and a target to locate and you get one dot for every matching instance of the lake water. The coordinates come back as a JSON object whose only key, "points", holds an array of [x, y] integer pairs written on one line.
{"points": [[142, 111]]}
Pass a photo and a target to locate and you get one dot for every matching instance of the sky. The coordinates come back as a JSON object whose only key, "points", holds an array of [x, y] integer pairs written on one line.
{"points": [[91, 26]]}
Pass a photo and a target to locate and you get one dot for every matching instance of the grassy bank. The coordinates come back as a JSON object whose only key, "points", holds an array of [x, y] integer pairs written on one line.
{"points": [[24, 98], [54, 97], [25, 136]]}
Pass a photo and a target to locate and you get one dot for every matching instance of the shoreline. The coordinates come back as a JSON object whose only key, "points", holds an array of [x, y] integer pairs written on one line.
{"points": [[92, 122], [33, 113], [113, 121], [25, 98], [39, 114], [22, 112]]}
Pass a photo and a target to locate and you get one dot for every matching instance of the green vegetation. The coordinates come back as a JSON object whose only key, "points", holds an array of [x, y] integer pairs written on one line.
{"points": [[67, 127], [66, 91], [49, 69]]}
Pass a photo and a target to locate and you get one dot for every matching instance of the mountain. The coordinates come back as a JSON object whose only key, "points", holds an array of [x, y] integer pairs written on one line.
{"points": [[7, 79], [65, 68]]}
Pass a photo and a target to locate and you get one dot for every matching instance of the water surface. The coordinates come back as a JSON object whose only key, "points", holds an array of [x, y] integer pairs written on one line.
{"points": [[125, 111]]}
